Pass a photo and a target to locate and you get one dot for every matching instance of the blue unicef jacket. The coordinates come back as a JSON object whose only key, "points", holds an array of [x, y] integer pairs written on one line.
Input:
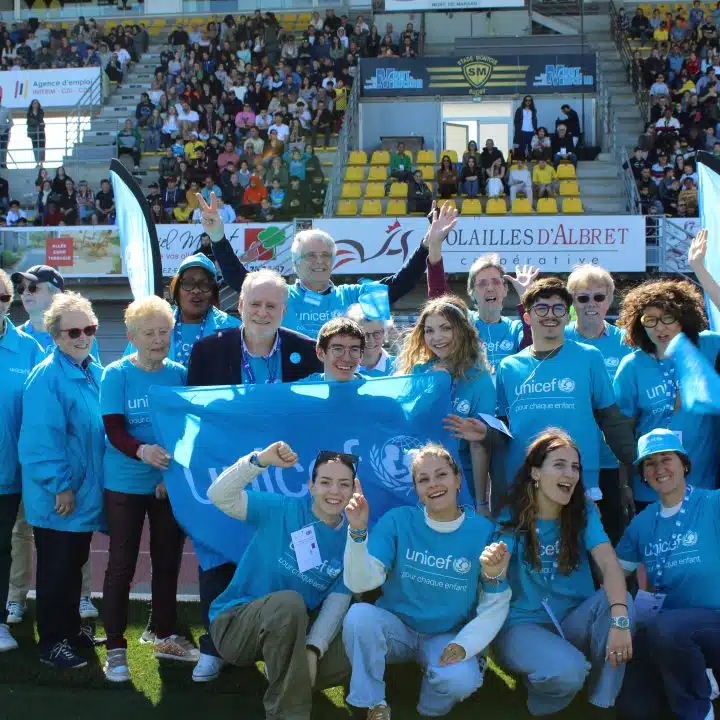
{"points": [[62, 442], [19, 354]]}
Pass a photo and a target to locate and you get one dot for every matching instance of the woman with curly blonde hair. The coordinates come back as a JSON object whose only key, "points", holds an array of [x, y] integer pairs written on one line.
{"points": [[445, 338], [646, 388]]}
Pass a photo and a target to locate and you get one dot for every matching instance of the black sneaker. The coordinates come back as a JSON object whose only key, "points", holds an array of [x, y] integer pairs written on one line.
{"points": [[62, 656], [85, 639]]}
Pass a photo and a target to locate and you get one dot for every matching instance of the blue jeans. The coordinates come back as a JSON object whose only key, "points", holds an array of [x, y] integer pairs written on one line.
{"points": [[374, 637], [471, 187], [670, 658], [525, 143], [555, 669]]}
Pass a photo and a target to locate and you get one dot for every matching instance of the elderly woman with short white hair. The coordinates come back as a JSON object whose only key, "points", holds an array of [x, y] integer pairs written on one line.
{"points": [[19, 353], [61, 448], [134, 486]]}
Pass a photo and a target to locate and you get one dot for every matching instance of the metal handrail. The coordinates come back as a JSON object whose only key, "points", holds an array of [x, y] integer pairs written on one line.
{"points": [[348, 139]]}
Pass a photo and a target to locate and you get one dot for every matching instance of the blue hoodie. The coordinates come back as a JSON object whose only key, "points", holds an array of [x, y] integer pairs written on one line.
{"points": [[19, 354], [62, 443]]}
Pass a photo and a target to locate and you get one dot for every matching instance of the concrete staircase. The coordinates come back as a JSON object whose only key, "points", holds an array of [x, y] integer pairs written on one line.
{"points": [[601, 188]]}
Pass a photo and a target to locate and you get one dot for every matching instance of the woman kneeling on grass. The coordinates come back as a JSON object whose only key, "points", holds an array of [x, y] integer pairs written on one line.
{"points": [[417, 618], [292, 566], [556, 617]]}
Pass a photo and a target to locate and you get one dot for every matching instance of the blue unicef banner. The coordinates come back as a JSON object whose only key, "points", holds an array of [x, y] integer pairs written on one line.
{"points": [[698, 381], [207, 429], [709, 196], [476, 75]]}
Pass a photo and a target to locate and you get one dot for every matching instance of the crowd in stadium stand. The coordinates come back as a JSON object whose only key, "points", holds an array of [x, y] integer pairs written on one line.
{"points": [[678, 66]]}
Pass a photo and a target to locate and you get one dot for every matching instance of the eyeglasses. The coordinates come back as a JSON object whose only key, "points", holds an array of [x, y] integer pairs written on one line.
{"points": [[5, 298], [32, 289], [329, 455], [492, 282], [597, 297], [338, 351], [203, 286], [543, 310], [75, 333], [652, 321], [376, 335], [326, 256]]}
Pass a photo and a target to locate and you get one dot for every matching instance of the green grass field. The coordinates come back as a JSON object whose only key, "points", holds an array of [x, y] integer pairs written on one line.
{"points": [[29, 690]]}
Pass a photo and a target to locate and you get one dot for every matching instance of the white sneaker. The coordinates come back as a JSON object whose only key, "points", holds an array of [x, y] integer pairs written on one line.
{"points": [[15, 613], [7, 641], [116, 667], [208, 668], [148, 637], [87, 610]]}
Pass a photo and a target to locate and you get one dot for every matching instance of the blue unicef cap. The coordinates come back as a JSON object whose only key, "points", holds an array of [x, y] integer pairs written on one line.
{"points": [[199, 260], [658, 441]]}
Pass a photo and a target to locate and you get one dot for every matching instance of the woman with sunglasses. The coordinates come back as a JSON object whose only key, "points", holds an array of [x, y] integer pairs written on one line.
{"points": [[443, 592], [290, 573], [134, 487], [677, 539], [592, 289], [560, 631], [444, 338], [61, 448], [195, 293], [19, 354], [652, 314]]}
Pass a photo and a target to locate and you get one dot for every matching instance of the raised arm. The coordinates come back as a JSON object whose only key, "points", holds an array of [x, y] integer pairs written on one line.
{"points": [[696, 260]]}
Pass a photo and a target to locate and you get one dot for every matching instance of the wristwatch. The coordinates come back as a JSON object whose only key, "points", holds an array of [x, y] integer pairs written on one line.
{"points": [[255, 460], [621, 622]]}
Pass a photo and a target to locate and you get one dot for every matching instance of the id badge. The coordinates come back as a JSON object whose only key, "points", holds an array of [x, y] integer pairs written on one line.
{"points": [[305, 546], [648, 605], [312, 299]]}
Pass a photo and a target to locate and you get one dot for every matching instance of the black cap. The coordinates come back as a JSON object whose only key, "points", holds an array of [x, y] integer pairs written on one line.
{"points": [[39, 274]]}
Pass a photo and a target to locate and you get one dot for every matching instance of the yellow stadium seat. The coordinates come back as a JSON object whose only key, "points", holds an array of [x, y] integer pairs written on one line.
{"points": [[521, 206], [569, 188], [573, 205], [289, 17], [351, 191], [450, 203], [375, 190], [566, 171], [547, 206], [428, 172], [426, 156], [378, 173], [347, 208], [472, 206], [357, 157], [354, 174], [496, 206], [451, 154], [398, 190], [371, 208], [396, 207], [380, 157]]}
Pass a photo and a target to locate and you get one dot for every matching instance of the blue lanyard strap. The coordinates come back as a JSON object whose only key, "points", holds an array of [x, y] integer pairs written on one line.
{"points": [[667, 369], [681, 519], [182, 354], [270, 362]]}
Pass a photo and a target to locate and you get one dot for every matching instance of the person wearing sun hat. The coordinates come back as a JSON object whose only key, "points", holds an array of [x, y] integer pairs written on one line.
{"points": [[677, 539], [195, 295]]}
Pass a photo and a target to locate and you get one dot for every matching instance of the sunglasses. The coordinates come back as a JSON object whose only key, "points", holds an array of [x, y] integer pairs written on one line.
{"points": [[597, 297], [75, 333], [329, 455], [5, 298], [32, 289]]}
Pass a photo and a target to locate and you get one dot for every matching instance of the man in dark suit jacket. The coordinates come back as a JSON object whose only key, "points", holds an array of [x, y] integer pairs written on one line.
{"points": [[259, 352]]}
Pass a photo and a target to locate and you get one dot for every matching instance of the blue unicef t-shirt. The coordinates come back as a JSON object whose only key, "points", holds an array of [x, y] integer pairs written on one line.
{"points": [[47, 343], [124, 391], [269, 564], [690, 553], [307, 310], [384, 368], [560, 391], [646, 389], [531, 586], [501, 339], [613, 350], [432, 577]]}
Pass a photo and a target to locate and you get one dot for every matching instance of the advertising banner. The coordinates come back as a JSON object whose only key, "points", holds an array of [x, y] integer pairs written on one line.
{"points": [[477, 75], [53, 88], [418, 5], [95, 251], [379, 246]]}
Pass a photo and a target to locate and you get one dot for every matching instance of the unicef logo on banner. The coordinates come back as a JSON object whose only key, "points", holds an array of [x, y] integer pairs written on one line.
{"points": [[690, 538], [566, 385], [391, 462], [462, 566]]}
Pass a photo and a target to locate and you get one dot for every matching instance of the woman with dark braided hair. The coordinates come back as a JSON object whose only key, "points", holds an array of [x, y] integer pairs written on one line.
{"points": [[560, 629], [646, 388]]}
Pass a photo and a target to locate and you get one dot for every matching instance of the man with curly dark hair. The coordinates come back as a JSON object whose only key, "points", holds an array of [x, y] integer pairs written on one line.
{"points": [[646, 388]]}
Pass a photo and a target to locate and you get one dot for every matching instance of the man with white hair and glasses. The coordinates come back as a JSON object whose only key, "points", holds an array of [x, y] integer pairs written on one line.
{"points": [[314, 298]]}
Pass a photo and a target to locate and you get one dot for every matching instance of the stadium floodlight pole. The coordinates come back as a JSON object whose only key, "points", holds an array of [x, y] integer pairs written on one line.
{"points": [[139, 246]]}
